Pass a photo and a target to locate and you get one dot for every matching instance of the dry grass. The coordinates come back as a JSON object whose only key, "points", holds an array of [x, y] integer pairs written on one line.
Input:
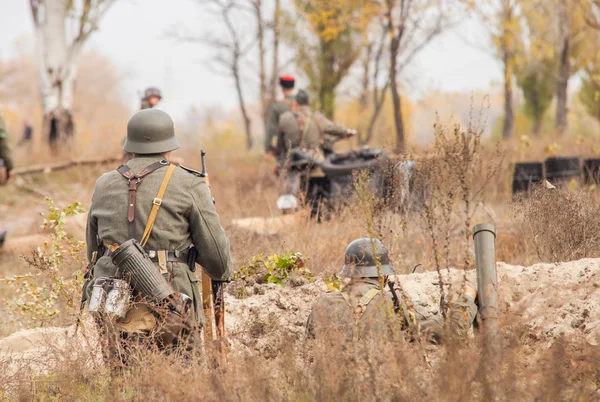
{"points": [[561, 225], [549, 226]]}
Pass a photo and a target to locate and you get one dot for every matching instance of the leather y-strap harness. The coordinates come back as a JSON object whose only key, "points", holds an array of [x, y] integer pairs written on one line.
{"points": [[134, 179], [360, 308]]}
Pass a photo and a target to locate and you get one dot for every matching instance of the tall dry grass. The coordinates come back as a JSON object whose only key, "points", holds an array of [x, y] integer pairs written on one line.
{"points": [[377, 369]]}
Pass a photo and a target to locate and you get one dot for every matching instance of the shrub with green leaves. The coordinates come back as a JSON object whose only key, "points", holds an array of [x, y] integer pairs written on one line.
{"points": [[274, 269], [43, 294]]}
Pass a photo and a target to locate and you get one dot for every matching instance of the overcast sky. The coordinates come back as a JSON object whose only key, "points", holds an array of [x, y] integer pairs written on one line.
{"points": [[134, 36]]}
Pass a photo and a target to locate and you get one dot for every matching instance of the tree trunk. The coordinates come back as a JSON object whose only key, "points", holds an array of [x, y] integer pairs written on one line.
{"points": [[378, 101], [364, 93], [537, 126], [275, 62], [396, 100], [242, 103], [57, 73], [562, 87], [509, 114], [328, 80], [262, 75]]}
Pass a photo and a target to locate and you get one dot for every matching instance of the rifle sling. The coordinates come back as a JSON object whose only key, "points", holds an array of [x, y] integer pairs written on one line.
{"points": [[157, 202]]}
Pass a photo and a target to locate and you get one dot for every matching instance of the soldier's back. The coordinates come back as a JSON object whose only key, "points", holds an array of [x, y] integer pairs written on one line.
{"points": [[361, 311], [111, 198]]}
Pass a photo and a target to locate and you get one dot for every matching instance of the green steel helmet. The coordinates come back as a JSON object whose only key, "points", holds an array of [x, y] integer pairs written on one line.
{"points": [[150, 92], [302, 97], [150, 131], [366, 258]]}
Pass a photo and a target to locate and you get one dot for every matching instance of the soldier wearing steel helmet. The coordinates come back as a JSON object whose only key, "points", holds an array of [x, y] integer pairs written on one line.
{"points": [[151, 98], [363, 307], [186, 217]]}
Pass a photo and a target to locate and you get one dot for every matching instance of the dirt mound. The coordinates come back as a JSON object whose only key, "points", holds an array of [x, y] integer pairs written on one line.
{"points": [[540, 304]]}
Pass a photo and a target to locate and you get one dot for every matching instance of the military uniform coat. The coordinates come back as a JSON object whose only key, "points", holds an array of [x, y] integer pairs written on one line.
{"points": [[187, 216], [316, 125], [332, 313], [275, 112]]}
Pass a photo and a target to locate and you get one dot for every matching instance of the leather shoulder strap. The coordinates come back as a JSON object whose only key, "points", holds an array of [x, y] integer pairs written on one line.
{"points": [[126, 172], [133, 181]]}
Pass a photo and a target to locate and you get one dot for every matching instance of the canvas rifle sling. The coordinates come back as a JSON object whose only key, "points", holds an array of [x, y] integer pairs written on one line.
{"points": [[156, 206]]}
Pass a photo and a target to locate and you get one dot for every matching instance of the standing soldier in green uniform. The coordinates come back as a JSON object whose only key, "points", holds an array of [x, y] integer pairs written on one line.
{"points": [[6, 164], [151, 98], [276, 110], [173, 209], [300, 135], [362, 308]]}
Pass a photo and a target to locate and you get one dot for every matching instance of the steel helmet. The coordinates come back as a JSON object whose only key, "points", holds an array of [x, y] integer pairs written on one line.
{"points": [[149, 92], [150, 131], [366, 258]]}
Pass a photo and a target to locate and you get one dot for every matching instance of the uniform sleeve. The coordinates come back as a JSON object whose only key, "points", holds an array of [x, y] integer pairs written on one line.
{"points": [[271, 128], [5, 152], [91, 233], [329, 127], [207, 234]]}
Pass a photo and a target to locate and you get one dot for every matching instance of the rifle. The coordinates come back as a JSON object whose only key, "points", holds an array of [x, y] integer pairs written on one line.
{"points": [[208, 285], [397, 305]]}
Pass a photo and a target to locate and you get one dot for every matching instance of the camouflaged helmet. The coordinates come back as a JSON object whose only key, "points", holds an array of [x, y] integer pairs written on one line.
{"points": [[150, 131], [150, 92], [366, 258]]}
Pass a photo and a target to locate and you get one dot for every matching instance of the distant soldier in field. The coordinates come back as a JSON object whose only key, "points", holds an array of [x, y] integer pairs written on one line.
{"points": [[276, 110], [167, 209], [300, 135], [151, 98], [6, 164], [363, 307]]}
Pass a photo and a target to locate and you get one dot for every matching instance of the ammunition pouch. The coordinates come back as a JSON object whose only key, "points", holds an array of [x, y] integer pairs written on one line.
{"points": [[135, 266]]}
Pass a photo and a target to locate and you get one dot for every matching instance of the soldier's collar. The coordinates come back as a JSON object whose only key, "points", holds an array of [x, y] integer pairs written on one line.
{"points": [[144, 160], [372, 281]]}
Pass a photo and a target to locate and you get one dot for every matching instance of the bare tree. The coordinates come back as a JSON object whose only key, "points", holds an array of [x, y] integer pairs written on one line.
{"points": [[411, 25], [267, 84], [378, 93], [230, 48], [61, 28], [238, 43]]}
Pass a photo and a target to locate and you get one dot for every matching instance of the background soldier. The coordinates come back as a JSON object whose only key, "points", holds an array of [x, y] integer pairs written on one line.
{"points": [[187, 216], [277, 109], [300, 135], [151, 98], [6, 164], [362, 307]]}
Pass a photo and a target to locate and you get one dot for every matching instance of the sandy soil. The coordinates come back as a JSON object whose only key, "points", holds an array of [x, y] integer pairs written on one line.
{"points": [[544, 302]]}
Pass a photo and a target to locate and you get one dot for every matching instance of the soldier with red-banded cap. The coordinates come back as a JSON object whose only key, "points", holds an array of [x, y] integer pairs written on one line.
{"points": [[277, 109]]}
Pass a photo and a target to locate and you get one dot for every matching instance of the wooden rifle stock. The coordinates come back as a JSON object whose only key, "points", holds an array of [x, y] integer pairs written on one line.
{"points": [[216, 287]]}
